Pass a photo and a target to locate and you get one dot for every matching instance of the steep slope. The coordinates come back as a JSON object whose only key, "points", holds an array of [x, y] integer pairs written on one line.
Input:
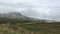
{"points": [[13, 15], [17, 15]]}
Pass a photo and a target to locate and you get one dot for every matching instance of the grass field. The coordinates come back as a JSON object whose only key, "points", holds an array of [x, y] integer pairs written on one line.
{"points": [[36, 28], [18, 26], [43, 28]]}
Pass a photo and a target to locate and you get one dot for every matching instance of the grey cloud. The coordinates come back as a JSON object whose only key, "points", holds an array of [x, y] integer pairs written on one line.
{"points": [[43, 8], [18, 5]]}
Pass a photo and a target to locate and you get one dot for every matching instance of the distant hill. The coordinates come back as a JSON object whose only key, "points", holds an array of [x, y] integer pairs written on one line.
{"points": [[12, 15], [16, 15]]}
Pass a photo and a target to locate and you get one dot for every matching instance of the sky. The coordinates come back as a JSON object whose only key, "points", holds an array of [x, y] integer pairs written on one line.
{"points": [[47, 9]]}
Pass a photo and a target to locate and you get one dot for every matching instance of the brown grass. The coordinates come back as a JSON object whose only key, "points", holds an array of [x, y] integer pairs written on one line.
{"points": [[36, 28]]}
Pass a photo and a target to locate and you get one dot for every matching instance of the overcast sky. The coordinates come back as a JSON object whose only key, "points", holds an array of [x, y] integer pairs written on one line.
{"points": [[47, 8]]}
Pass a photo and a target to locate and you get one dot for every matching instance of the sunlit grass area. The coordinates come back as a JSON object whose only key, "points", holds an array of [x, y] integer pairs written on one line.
{"points": [[5, 29]]}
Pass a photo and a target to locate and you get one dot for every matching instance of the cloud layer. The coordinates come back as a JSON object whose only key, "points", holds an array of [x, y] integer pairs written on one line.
{"points": [[49, 9]]}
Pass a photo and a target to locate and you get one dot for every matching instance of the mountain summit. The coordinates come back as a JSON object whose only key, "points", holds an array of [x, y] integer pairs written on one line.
{"points": [[13, 15]]}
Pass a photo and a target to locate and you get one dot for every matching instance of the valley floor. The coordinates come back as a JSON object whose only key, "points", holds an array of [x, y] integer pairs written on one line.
{"points": [[30, 28]]}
